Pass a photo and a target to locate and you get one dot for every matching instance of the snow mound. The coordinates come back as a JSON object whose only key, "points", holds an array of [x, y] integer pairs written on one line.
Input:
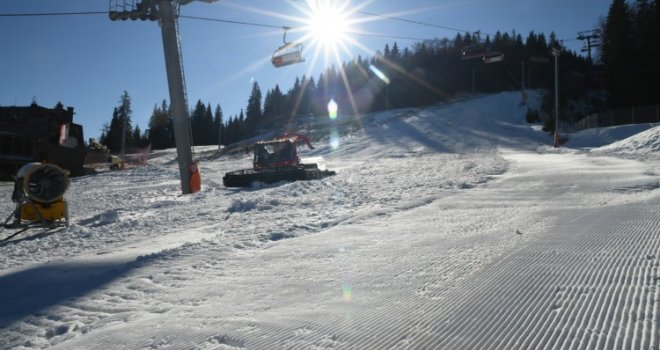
{"points": [[643, 144], [599, 137], [246, 205]]}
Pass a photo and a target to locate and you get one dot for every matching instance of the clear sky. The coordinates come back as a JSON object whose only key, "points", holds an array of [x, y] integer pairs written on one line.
{"points": [[87, 61]]}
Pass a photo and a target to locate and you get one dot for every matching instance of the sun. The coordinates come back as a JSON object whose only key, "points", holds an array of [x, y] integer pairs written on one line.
{"points": [[328, 24]]}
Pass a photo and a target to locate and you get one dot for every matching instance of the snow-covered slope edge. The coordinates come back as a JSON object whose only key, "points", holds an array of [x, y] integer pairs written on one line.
{"points": [[644, 144]]}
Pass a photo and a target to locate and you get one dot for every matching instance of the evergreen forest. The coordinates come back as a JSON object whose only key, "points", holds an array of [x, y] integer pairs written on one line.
{"points": [[621, 74]]}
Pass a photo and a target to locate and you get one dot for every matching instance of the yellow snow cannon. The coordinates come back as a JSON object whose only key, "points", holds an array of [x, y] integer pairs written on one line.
{"points": [[39, 190], [116, 163]]}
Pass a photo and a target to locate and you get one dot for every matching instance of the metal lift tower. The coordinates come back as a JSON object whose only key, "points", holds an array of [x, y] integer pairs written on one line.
{"points": [[165, 11], [592, 38]]}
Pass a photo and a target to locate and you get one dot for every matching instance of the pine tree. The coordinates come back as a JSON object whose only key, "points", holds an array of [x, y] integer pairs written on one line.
{"points": [[209, 132], [293, 96], [136, 137], [197, 122], [112, 138], [310, 89], [646, 52], [103, 139], [274, 107], [616, 50], [121, 120], [240, 126], [253, 113], [230, 134], [126, 115], [395, 54], [218, 126], [160, 132]]}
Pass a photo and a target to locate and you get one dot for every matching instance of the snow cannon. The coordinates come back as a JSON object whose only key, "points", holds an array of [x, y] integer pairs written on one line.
{"points": [[274, 161], [39, 190], [116, 163]]}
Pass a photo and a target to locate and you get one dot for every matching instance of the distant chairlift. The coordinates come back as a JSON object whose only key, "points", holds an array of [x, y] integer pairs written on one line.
{"points": [[493, 57], [287, 54], [481, 51], [473, 51]]}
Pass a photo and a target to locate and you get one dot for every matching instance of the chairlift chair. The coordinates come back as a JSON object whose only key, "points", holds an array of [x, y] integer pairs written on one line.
{"points": [[493, 57], [473, 51], [287, 54]]}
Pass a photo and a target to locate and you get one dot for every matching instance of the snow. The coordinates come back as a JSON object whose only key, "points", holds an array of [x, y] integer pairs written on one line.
{"points": [[643, 144], [452, 227], [599, 137]]}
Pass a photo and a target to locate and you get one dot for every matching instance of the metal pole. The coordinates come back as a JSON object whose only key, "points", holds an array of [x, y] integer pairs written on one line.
{"points": [[522, 63], [176, 83], [555, 52]]}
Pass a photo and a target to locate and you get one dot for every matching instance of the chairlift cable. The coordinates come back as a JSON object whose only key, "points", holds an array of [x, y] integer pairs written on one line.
{"points": [[386, 36], [234, 22], [43, 14], [417, 22], [53, 14], [294, 28]]}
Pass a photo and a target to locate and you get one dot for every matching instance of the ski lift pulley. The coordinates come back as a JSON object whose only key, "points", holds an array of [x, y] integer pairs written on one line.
{"points": [[287, 54]]}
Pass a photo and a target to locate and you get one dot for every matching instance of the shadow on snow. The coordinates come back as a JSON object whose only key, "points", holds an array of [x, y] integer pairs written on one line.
{"points": [[31, 291]]}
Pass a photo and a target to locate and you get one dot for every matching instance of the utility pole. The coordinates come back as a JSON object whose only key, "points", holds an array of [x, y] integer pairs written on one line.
{"points": [[165, 12], [592, 38], [556, 52]]}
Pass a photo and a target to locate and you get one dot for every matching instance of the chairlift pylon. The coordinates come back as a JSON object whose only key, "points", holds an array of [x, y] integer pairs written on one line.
{"points": [[133, 10], [287, 54]]}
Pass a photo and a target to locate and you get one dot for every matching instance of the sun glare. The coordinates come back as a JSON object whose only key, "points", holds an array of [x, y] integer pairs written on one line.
{"points": [[328, 25]]}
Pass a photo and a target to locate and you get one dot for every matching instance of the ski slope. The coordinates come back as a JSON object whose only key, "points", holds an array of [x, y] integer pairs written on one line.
{"points": [[448, 227]]}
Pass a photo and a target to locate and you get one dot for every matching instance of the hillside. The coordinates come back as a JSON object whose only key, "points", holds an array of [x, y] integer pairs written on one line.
{"points": [[455, 226]]}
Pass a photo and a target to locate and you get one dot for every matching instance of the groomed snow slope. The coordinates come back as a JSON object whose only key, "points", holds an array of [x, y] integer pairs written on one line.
{"points": [[452, 227]]}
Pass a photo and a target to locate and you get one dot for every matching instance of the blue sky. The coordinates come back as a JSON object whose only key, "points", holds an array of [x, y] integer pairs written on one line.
{"points": [[88, 61]]}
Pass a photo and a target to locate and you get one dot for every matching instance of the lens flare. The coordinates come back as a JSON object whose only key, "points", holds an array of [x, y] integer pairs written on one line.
{"points": [[334, 139], [332, 109], [379, 74], [347, 292]]}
